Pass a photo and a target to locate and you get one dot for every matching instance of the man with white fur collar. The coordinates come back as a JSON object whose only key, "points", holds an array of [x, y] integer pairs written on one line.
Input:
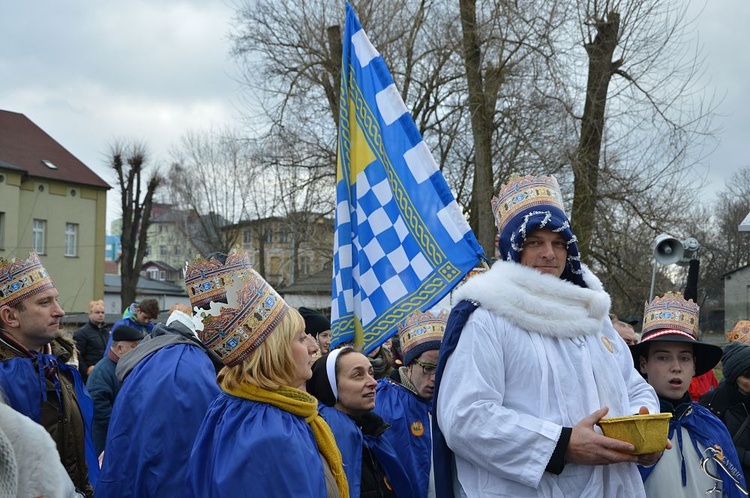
{"points": [[529, 364]]}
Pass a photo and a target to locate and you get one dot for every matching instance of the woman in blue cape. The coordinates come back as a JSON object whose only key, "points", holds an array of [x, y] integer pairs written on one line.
{"points": [[344, 382], [262, 437]]}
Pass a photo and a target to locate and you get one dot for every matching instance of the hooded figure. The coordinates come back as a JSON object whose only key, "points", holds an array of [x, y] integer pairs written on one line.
{"points": [[530, 361]]}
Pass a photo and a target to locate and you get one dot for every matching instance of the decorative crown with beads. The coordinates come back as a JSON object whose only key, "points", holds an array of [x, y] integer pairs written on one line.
{"points": [[20, 279], [421, 332], [740, 332], [253, 310], [206, 280], [522, 193], [671, 312]]}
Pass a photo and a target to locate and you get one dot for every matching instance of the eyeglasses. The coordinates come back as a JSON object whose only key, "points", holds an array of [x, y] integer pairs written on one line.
{"points": [[427, 368]]}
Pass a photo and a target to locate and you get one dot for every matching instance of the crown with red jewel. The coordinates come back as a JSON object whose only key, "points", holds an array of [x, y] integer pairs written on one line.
{"points": [[20, 279]]}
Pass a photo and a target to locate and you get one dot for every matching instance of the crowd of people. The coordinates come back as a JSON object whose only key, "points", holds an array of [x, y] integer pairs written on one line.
{"points": [[241, 394]]}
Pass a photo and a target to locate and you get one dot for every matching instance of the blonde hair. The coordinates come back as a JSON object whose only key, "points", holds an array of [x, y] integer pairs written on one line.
{"points": [[181, 307], [94, 304], [271, 365]]}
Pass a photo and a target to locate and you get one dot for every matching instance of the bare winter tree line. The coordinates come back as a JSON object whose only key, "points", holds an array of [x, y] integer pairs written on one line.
{"points": [[602, 93]]}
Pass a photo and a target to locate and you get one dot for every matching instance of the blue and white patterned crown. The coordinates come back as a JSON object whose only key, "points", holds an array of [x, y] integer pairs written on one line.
{"points": [[206, 280], [421, 332], [522, 193], [20, 279]]}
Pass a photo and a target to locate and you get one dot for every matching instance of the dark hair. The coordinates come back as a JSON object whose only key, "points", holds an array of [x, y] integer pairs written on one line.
{"points": [[150, 306]]}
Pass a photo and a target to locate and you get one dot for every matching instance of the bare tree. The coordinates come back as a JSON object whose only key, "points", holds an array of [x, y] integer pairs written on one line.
{"points": [[129, 159]]}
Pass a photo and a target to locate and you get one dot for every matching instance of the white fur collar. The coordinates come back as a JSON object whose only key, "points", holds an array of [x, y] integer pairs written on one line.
{"points": [[538, 302]]}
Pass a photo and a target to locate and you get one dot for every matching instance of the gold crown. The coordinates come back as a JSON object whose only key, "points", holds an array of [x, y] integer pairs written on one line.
{"points": [[419, 329], [206, 280], [671, 312], [524, 192], [740, 332], [233, 330], [20, 279]]}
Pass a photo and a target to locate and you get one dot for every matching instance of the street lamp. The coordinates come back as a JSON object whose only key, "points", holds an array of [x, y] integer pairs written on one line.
{"points": [[669, 250]]}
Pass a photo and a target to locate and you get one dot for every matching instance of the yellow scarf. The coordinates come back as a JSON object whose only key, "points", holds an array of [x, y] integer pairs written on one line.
{"points": [[305, 405]]}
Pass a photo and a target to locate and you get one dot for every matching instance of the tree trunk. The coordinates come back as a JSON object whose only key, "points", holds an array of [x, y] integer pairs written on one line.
{"points": [[586, 161], [481, 218]]}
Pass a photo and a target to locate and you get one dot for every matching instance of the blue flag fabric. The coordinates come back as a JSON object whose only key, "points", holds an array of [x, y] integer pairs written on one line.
{"points": [[401, 242]]}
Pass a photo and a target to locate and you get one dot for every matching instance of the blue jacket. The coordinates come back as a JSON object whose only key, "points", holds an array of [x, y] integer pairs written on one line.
{"points": [[103, 385], [350, 440], [128, 318], [155, 418], [249, 449], [410, 433]]}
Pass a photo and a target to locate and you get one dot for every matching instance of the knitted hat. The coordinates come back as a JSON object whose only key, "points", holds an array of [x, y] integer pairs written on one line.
{"points": [[206, 279], [740, 332], [126, 333], [20, 279], [315, 321], [252, 311], [735, 360], [421, 332], [673, 319], [526, 204]]}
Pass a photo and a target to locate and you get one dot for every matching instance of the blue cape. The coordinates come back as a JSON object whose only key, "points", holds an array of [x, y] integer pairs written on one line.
{"points": [[246, 448], [154, 421], [25, 389], [707, 430], [350, 440], [406, 411]]}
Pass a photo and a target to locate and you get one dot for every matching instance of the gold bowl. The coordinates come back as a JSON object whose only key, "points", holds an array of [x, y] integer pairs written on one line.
{"points": [[648, 433]]}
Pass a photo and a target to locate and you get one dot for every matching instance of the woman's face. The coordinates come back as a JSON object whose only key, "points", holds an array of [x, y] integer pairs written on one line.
{"points": [[324, 339], [356, 384], [303, 349], [743, 384]]}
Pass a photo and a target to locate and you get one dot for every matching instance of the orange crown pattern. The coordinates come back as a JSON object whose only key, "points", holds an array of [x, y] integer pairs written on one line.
{"points": [[522, 193], [206, 280], [740, 332], [20, 279], [420, 328], [671, 312]]}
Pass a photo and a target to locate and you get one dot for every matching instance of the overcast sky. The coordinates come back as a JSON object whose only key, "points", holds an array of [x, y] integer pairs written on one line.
{"points": [[90, 72]]}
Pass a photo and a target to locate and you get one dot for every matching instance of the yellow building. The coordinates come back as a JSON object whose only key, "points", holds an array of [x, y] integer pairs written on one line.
{"points": [[52, 203]]}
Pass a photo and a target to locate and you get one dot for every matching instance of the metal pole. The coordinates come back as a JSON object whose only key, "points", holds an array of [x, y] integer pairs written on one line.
{"points": [[653, 281]]}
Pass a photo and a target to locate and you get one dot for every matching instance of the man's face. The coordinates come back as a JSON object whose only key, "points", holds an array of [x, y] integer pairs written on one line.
{"points": [[670, 368], [422, 373], [39, 321], [545, 251], [143, 317], [96, 314], [626, 331], [123, 347]]}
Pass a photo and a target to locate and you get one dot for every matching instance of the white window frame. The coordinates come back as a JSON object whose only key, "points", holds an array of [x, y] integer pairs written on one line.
{"points": [[71, 239], [38, 236]]}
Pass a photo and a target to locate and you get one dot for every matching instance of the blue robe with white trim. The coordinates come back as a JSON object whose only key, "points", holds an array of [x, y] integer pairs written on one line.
{"points": [[350, 440], [410, 433], [154, 422], [250, 449]]}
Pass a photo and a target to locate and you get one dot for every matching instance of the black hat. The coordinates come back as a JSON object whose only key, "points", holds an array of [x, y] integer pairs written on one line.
{"points": [[127, 333], [315, 321], [706, 356], [735, 360]]}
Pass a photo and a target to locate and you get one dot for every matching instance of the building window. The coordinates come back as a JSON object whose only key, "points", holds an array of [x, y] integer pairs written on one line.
{"points": [[152, 273], [267, 235], [71, 239], [2, 231], [275, 266], [161, 228], [283, 236], [162, 275], [38, 232], [304, 265], [177, 250], [247, 237], [163, 251]]}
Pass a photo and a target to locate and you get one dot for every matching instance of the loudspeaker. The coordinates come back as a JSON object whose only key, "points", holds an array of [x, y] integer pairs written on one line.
{"points": [[667, 249]]}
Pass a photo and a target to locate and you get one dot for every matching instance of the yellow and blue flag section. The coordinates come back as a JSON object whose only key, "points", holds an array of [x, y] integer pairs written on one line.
{"points": [[401, 242]]}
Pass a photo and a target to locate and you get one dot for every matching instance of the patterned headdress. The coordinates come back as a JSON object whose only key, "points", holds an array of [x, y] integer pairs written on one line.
{"points": [[20, 279], [740, 332], [253, 310], [421, 332], [673, 319], [206, 280], [529, 203]]}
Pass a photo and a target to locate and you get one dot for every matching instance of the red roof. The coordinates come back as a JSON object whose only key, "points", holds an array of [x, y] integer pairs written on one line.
{"points": [[24, 146]]}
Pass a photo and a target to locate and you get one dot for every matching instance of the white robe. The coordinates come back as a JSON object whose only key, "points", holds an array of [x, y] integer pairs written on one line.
{"points": [[538, 355]]}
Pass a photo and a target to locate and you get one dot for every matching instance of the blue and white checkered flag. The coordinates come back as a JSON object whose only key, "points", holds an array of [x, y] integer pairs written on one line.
{"points": [[401, 242]]}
